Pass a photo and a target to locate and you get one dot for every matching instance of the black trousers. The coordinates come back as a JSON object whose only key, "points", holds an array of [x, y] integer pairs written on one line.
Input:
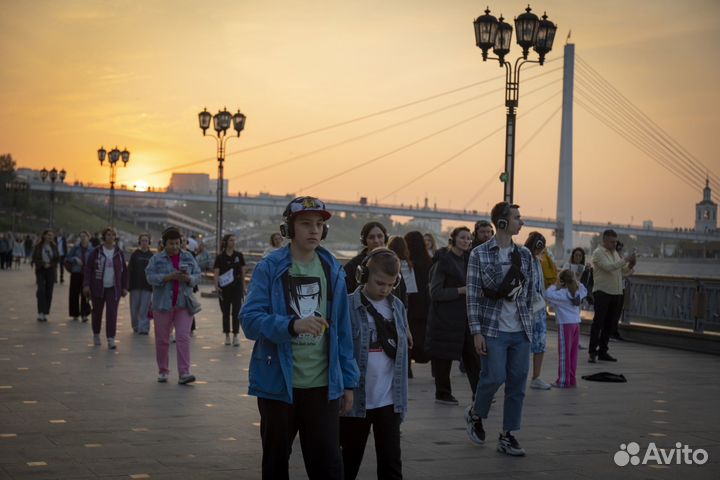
{"points": [[316, 419], [607, 314], [61, 267], [45, 279], [78, 304], [354, 433], [441, 368], [230, 303]]}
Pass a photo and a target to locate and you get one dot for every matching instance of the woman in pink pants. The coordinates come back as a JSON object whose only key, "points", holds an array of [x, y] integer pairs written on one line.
{"points": [[173, 273], [565, 297]]}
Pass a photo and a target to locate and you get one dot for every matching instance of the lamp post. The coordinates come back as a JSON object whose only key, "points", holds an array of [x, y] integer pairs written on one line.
{"points": [[15, 186], [221, 123], [113, 156], [53, 176], [491, 32]]}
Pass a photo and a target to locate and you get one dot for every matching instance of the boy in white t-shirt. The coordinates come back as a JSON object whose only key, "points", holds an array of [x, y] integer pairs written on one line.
{"points": [[380, 344]]}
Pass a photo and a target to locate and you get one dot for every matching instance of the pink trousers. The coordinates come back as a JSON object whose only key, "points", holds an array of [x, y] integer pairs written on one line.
{"points": [[568, 339], [181, 319]]}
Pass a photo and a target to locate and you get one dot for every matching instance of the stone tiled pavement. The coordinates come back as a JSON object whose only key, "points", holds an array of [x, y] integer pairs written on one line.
{"points": [[71, 410]]}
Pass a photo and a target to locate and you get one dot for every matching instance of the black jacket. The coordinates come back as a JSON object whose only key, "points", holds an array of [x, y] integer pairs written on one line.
{"points": [[136, 268], [350, 268], [447, 317]]}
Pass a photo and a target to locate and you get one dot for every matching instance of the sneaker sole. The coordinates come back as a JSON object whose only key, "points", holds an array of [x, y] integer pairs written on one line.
{"points": [[186, 381], [162, 380], [474, 440], [446, 402], [508, 451]]}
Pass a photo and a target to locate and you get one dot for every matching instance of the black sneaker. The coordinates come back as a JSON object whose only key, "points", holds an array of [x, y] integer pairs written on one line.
{"points": [[606, 357], [508, 445], [474, 427], [446, 399]]}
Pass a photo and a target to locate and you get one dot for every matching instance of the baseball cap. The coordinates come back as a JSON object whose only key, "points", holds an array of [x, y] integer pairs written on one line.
{"points": [[306, 204]]}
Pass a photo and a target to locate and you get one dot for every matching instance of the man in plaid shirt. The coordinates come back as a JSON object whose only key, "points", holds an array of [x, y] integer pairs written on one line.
{"points": [[499, 307]]}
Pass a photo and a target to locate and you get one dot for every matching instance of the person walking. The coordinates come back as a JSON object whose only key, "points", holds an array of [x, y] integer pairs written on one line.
{"points": [[276, 241], [302, 368], [230, 286], [45, 258], [608, 271], [419, 302], [78, 304], [62, 246], [140, 289], [536, 244], [18, 252], [565, 297], [373, 235], [499, 289], [28, 245], [105, 281], [448, 335], [482, 233], [380, 347], [173, 273]]}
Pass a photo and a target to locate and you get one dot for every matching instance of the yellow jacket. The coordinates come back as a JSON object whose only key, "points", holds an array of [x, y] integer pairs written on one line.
{"points": [[550, 271]]}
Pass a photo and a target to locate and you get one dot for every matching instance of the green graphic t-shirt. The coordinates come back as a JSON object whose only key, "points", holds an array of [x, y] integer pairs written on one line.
{"points": [[307, 296]]}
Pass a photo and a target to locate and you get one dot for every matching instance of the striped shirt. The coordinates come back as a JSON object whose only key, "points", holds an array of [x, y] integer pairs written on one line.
{"points": [[485, 271]]}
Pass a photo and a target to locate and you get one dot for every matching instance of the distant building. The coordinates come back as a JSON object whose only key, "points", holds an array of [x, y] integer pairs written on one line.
{"points": [[196, 183], [706, 211]]}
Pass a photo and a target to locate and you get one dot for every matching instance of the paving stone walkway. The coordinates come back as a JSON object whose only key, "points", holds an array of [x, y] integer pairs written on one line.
{"points": [[69, 410]]}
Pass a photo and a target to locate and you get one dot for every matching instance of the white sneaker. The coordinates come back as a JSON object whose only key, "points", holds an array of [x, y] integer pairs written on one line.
{"points": [[227, 339], [236, 341], [539, 384], [111, 343], [163, 378], [96, 340]]}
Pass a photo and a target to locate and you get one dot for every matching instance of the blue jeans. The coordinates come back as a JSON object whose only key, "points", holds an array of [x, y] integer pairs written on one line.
{"points": [[507, 361]]}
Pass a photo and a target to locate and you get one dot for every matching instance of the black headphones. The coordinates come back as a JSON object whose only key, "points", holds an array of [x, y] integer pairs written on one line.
{"points": [[539, 242], [287, 229], [362, 272], [502, 223]]}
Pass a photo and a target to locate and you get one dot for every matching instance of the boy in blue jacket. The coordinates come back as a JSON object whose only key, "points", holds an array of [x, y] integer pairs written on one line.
{"points": [[302, 368]]}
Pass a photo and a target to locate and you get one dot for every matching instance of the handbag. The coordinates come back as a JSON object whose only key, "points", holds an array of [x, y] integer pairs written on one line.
{"points": [[191, 303]]}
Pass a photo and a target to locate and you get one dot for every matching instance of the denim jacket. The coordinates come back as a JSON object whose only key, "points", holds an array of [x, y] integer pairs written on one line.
{"points": [[77, 253], [265, 319], [361, 344], [158, 267]]}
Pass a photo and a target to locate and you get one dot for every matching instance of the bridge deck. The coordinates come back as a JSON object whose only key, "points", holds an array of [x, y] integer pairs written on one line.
{"points": [[71, 410]]}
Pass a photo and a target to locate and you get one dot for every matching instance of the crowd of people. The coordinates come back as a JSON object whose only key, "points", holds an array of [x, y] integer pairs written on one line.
{"points": [[334, 344]]}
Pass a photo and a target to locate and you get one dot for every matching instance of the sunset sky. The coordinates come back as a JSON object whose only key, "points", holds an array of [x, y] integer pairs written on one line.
{"points": [[80, 74]]}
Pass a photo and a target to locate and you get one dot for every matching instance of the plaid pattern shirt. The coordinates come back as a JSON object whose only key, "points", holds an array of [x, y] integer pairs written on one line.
{"points": [[485, 271]]}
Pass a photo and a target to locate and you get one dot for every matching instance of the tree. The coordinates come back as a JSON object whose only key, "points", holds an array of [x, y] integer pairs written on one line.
{"points": [[7, 168]]}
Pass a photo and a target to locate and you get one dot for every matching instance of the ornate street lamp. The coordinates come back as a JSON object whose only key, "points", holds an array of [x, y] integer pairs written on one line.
{"points": [[221, 123], [496, 34], [53, 176], [113, 156]]}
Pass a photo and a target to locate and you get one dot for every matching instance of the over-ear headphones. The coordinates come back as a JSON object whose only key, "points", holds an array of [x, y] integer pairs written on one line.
{"points": [[539, 243], [362, 272], [502, 223], [287, 227]]}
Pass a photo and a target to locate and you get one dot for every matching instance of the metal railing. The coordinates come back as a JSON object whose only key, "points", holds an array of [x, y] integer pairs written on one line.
{"points": [[682, 302]]}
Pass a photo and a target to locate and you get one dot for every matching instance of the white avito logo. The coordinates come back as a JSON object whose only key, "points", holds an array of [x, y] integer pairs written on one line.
{"points": [[680, 455]]}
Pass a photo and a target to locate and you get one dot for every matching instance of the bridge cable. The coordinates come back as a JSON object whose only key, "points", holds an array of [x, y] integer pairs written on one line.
{"points": [[465, 149], [350, 121], [522, 147], [648, 125], [413, 143], [373, 132]]}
